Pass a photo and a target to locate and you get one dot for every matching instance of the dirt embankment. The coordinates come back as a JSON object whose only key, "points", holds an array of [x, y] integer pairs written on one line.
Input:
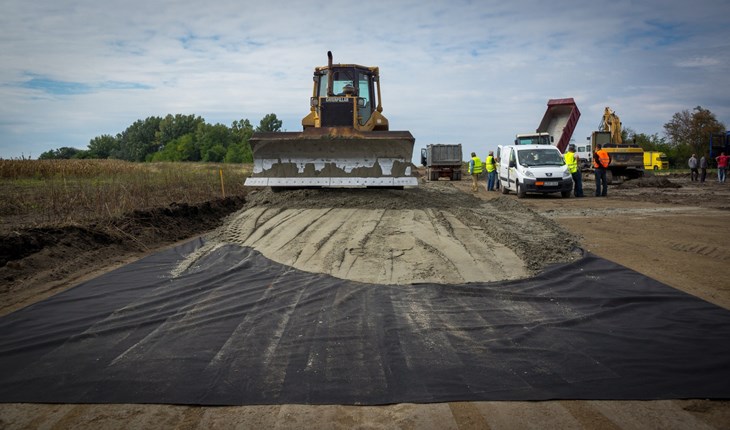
{"points": [[433, 233], [37, 262]]}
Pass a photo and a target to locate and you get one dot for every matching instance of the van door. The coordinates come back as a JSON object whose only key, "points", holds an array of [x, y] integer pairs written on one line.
{"points": [[504, 171]]}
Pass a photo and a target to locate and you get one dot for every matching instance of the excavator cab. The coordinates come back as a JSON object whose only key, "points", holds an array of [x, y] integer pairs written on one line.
{"points": [[346, 140]]}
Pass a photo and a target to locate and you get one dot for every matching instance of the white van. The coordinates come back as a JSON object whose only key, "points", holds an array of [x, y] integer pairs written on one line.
{"points": [[533, 169]]}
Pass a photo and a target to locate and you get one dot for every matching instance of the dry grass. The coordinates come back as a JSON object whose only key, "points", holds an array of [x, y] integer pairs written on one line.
{"points": [[52, 192]]}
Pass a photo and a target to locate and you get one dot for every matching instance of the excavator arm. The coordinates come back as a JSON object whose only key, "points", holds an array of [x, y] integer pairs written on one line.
{"points": [[612, 124]]}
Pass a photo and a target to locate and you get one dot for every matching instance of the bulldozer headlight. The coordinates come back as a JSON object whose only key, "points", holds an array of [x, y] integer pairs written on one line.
{"points": [[361, 102], [313, 101]]}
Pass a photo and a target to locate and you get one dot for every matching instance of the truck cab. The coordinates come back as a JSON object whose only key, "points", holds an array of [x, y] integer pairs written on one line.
{"points": [[533, 139], [654, 160], [533, 169]]}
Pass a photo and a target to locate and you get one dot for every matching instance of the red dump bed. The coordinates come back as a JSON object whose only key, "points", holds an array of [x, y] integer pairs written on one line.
{"points": [[559, 121]]}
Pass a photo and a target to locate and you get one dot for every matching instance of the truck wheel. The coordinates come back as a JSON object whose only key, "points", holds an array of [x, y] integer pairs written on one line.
{"points": [[504, 189], [609, 177], [521, 191]]}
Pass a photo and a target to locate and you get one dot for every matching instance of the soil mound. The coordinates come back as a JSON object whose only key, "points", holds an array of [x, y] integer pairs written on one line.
{"points": [[433, 233], [649, 182]]}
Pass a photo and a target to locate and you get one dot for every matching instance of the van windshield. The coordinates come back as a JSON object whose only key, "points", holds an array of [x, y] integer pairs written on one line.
{"points": [[540, 157]]}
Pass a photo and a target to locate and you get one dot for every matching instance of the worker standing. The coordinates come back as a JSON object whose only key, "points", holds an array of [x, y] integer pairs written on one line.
{"points": [[572, 159], [722, 163], [703, 168], [491, 171], [693, 172], [475, 168], [600, 164]]}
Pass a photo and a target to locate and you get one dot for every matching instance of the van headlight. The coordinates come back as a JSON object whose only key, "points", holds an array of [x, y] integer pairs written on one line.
{"points": [[529, 174], [566, 174]]}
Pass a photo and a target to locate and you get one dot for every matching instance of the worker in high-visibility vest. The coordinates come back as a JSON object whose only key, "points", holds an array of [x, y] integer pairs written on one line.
{"points": [[491, 171], [572, 160], [601, 161], [475, 168]]}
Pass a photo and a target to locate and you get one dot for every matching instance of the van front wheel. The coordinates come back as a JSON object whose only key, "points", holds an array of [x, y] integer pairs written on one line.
{"points": [[520, 191]]}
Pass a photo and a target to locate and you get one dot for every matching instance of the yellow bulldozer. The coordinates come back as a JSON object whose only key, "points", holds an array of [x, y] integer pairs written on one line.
{"points": [[346, 141], [627, 159]]}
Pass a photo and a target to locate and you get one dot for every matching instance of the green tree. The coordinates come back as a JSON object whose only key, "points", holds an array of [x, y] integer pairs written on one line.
{"points": [[213, 141], [173, 127], [240, 151], [103, 146], [242, 130], [180, 149], [139, 141], [693, 129], [237, 153], [269, 123], [63, 153], [215, 153]]}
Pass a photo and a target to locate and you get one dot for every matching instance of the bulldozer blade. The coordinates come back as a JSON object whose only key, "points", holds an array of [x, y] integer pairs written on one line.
{"points": [[332, 157]]}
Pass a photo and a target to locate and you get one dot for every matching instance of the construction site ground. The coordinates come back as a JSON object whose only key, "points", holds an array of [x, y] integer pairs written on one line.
{"points": [[677, 235]]}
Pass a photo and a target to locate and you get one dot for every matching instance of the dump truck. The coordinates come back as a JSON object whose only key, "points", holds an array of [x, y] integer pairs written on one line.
{"points": [[442, 161], [346, 141], [627, 159], [556, 127]]}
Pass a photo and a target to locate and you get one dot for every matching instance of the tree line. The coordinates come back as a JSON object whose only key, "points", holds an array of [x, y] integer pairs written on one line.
{"points": [[190, 138], [687, 133], [174, 138]]}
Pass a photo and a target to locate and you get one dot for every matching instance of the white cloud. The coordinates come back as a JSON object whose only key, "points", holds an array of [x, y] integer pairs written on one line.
{"points": [[699, 62]]}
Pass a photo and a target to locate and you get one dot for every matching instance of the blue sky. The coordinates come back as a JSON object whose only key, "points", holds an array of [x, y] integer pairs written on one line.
{"points": [[470, 72]]}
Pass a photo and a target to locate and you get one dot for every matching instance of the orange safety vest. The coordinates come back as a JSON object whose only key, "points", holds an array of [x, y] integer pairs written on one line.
{"points": [[601, 156]]}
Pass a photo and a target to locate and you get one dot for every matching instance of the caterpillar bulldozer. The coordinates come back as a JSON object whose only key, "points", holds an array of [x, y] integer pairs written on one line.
{"points": [[627, 159], [345, 142]]}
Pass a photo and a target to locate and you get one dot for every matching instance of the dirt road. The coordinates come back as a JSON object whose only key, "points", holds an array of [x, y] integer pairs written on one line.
{"points": [[675, 235]]}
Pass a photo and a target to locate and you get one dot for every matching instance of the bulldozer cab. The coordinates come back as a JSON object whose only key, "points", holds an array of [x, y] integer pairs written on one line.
{"points": [[346, 99]]}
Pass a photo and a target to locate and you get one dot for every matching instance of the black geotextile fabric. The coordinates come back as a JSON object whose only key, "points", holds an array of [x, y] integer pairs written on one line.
{"points": [[239, 329]]}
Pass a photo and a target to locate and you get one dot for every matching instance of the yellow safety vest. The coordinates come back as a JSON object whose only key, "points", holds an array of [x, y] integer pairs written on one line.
{"points": [[571, 162], [490, 164], [477, 166]]}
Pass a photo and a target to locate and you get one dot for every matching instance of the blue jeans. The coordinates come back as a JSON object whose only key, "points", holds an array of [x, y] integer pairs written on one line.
{"points": [[578, 183], [491, 178], [721, 173], [601, 182]]}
